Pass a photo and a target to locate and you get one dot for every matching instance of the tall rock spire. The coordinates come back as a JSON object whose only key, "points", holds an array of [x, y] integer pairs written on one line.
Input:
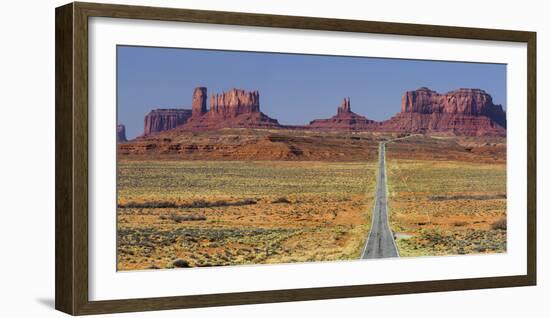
{"points": [[344, 119], [199, 102], [345, 107]]}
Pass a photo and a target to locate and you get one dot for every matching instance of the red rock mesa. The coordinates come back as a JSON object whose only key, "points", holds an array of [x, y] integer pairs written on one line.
{"points": [[469, 112], [233, 109], [159, 120]]}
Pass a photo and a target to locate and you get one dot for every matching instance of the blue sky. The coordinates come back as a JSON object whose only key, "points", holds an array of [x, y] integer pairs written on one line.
{"points": [[293, 88]]}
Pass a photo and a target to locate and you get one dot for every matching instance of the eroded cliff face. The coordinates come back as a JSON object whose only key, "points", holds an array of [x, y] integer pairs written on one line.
{"points": [[234, 102], [469, 112], [344, 119], [464, 101], [121, 133], [159, 120], [236, 108]]}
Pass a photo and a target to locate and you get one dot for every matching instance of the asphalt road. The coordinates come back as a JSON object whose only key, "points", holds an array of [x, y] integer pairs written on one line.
{"points": [[380, 242]]}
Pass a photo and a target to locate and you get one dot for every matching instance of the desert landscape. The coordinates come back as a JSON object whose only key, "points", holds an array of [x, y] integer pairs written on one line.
{"points": [[448, 204], [229, 185]]}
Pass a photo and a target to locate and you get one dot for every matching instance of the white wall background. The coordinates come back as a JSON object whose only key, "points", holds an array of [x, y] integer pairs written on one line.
{"points": [[27, 158]]}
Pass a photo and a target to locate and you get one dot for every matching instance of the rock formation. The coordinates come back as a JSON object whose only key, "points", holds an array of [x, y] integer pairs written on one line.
{"points": [[121, 133], [344, 119], [234, 103], [233, 109], [198, 104], [469, 112], [159, 120], [345, 107]]}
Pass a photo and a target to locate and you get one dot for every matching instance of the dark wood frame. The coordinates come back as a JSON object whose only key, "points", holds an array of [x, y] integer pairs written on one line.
{"points": [[71, 157]]}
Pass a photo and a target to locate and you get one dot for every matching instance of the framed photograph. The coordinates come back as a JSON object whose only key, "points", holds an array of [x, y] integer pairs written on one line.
{"points": [[211, 158]]}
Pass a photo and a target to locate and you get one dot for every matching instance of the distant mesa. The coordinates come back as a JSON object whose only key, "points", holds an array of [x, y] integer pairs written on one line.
{"points": [[469, 112], [236, 108], [344, 119], [121, 133], [464, 101], [163, 119], [235, 102]]}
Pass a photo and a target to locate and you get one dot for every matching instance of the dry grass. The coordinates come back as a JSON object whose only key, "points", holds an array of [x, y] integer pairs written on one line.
{"points": [[499, 224], [447, 199], [448, 207], [229, 213]]}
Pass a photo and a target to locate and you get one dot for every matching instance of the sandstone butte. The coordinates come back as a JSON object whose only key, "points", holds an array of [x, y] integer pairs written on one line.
{"points": [[344, 119], [468, 112], [163, 119], [121, 133], [236, 108]]}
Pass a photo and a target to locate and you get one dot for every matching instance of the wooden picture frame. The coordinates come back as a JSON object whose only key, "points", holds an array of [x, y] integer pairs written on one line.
{"points": [[71, 90]]}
